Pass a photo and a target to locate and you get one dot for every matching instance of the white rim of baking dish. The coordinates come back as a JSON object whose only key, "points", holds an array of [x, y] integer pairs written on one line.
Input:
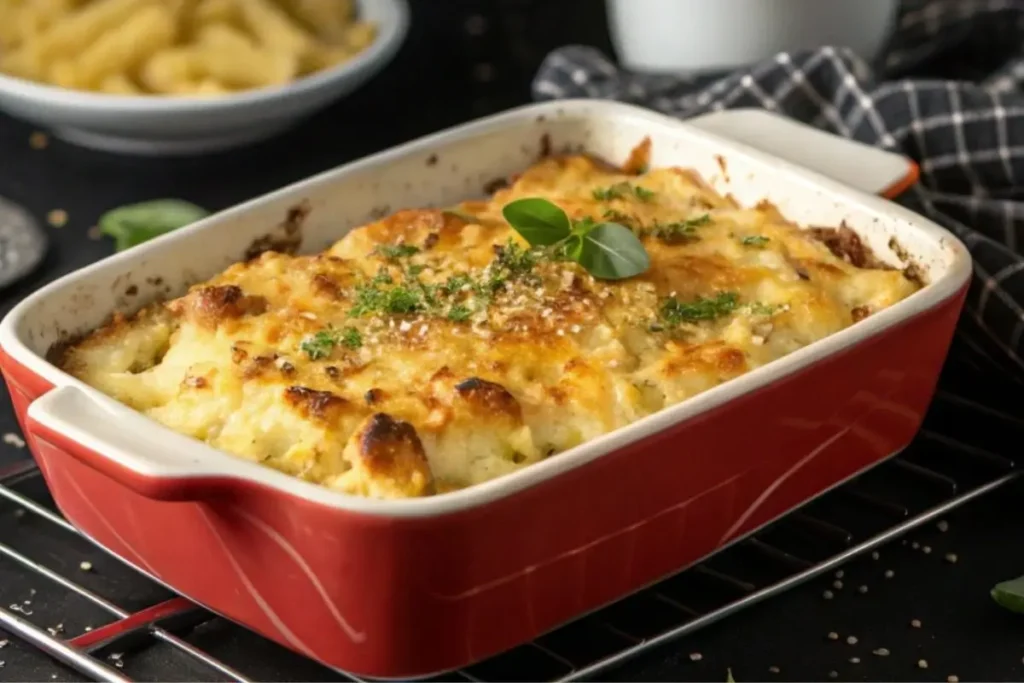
{"points": [[192, 459], [392, 29]]}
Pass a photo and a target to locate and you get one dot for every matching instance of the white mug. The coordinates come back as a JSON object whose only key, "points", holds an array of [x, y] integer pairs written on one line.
{"points": [[672, 36]]}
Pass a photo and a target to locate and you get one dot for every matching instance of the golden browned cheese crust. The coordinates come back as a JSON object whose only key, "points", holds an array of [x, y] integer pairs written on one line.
{"points": [[431, 351]]}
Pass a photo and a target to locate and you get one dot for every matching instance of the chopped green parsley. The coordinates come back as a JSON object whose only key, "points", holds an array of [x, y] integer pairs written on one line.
{"points": [[320, 345], [394, 252], [678, 231], [675, 312], [754, 241], [623, 190]]}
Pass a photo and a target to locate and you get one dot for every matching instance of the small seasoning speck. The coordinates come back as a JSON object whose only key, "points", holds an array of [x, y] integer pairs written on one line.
{"points": [[862, 589], [889, 573], [85, 566], [881, 652], [927, 550], [916, 623], [851, 640], [840, 574], [952, 679], [875, 555], [827, 595], [854, 660], [58, 218], [774, 669], [696, 656], [951, 558], [12, 439], [38, 140], [922, 664], [915, 545], [833, 635], [838, 585], [943, 526]]}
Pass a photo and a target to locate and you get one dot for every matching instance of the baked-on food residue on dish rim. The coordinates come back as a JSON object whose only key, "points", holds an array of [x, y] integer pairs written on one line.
{"points": [[432, 349]]}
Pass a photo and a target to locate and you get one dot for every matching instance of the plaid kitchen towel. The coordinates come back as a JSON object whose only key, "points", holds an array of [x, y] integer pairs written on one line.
{"points": [[948, 92]]}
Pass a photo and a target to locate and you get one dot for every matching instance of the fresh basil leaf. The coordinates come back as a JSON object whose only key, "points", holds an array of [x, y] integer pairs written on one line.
{"points": [[137, 223], [574, 248], [1010, 594], [540, 222], [612, 252]]}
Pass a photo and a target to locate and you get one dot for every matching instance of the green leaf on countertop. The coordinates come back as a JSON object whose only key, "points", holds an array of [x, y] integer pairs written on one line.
{"points": [[1010, 594], [137, 223]]}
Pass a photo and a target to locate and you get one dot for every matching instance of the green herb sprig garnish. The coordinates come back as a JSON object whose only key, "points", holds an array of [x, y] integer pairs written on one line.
{"points": [[675, 312], [622, 191], [608, 251], [321, 344]]}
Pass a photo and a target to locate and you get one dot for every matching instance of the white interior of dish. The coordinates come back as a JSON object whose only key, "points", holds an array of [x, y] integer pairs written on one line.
{"points": [[443, 169]]}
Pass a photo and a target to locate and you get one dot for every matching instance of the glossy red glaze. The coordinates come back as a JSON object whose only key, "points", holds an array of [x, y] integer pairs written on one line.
{"points": [[401, 597]]}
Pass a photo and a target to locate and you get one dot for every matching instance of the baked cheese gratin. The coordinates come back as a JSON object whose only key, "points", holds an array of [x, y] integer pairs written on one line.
{"points": [[434, 349]]}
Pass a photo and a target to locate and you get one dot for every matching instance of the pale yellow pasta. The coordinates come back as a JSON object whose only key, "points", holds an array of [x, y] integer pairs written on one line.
{"points": [[22, 64], [359, 36], [65, 74], [273, 28], [232, 58], [328, 19], [208, 86], [169, 71], [216, 12], [74, 33], [10, 33], [151, 29], [324, 57], [176, 47], [119, 84]]}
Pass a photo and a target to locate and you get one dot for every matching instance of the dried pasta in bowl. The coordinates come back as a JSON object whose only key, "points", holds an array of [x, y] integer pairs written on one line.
{"points": [[177, 47]]}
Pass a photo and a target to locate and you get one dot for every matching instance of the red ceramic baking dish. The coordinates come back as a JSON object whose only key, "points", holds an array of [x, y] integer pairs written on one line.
{"points": [[414, 587]]}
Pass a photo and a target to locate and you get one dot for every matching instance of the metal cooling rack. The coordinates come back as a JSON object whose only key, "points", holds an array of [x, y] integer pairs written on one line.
{"points": [[145, 628]]}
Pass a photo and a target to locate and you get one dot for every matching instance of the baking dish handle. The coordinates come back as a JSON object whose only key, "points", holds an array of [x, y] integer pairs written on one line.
{"points": [[119, 442], [852, 163]]}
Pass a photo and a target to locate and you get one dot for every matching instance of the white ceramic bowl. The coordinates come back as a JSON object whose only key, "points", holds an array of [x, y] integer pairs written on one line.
{"points": [[703, 35], [154, 125]]}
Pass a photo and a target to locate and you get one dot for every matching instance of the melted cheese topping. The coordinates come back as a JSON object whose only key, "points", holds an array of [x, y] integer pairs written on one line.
{"points": [[426, 352]]}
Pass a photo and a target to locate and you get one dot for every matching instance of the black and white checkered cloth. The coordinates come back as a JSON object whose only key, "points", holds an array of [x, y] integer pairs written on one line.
{"points": [[948, 92]]}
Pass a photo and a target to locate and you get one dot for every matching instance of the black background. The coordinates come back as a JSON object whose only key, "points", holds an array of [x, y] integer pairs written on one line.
{"points": [[448, 72]]}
